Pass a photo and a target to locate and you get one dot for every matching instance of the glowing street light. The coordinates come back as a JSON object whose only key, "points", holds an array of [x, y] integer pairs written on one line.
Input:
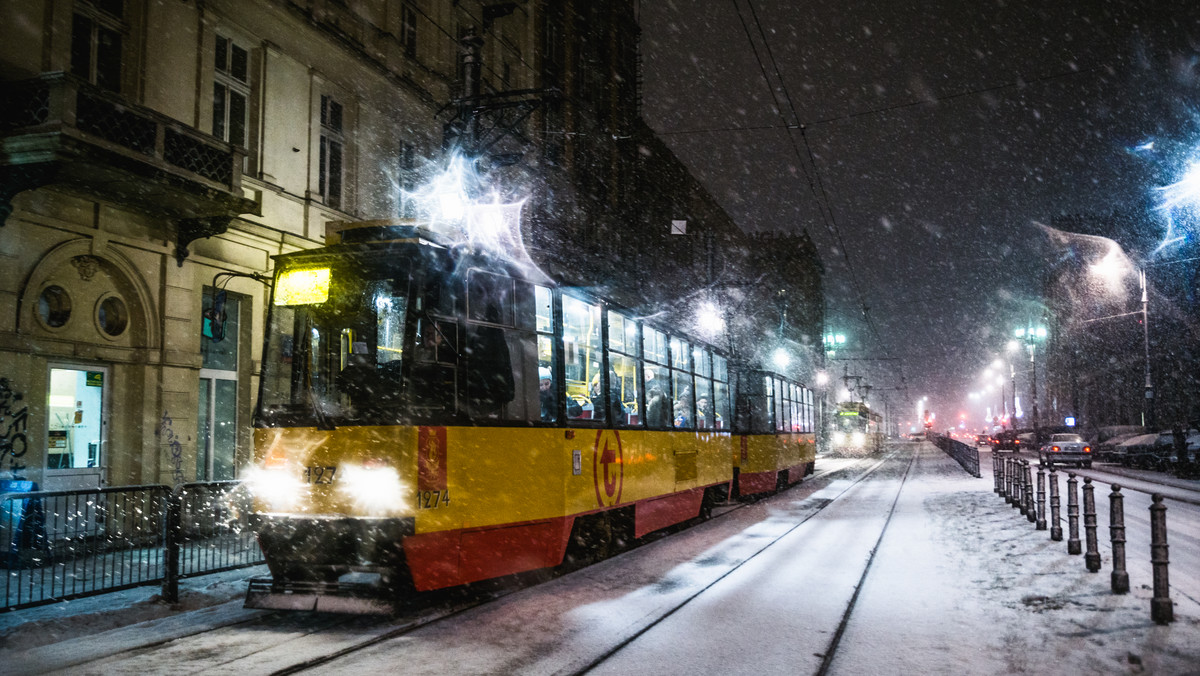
{"points": [[781, 358], [1113, 268], [709, 320]]}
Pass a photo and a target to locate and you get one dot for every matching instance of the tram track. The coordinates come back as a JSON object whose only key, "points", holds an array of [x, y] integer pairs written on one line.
{"points": [[302, 635], [413, 626], [829, 654]]}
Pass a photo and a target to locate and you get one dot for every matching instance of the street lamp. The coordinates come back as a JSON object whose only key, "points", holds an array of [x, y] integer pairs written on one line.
{"points": [[834, 341], [1112, 268], [1031, 335]]}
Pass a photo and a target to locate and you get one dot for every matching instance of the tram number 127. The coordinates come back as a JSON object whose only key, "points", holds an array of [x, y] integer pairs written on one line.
{"points": [[432, 499], [319, 475]]}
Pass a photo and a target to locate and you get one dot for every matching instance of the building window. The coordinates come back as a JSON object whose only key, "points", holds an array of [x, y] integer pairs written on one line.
{"points": [[332, 144], [216, 418], [54, 307], [408, 30], [231, 91], [406, 177], [96, 30]]}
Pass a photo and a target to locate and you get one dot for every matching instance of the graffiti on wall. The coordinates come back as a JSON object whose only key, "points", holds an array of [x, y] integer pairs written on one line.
{"points": [[167, 433], [14, 423]]}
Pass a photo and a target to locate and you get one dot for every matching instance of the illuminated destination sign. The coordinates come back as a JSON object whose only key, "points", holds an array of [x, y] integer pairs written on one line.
{"points": [[302, 287]]}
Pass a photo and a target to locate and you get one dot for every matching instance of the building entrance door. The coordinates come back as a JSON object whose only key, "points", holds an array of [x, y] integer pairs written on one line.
{"points": [[77, 426]]}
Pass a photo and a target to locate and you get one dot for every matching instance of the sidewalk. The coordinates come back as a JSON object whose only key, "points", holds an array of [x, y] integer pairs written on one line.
{"points": [[965, 584]]}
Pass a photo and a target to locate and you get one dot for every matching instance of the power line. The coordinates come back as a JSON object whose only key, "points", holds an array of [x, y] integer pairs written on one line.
{"points": [[823, 201], [1019, 82]]}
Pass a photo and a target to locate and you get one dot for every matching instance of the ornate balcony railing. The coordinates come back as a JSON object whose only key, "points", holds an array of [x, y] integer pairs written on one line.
{"points": [[57, 129]]}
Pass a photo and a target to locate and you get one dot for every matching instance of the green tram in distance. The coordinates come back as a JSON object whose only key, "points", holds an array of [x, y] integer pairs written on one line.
{"points": [[856, 429]]}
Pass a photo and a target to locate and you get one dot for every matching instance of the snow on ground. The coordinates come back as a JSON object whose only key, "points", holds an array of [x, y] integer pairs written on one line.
{"points": [[22, 630]]}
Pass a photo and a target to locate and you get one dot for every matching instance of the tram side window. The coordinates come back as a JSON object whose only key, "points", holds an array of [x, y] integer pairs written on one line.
{"points": [[623, 375], [705, 415], [582, 359], [812, 418], [657, 382], [793, 409], [769, 417], [721, 392], [683, 397], [501, 360], [547, 378], [777, 386]]}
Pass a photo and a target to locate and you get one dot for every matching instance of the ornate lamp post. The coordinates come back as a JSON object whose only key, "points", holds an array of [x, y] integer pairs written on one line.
{"points": [[1032, 335]]}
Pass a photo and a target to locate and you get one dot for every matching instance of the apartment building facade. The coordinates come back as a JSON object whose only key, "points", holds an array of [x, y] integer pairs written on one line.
{"points": [[158, 153]]}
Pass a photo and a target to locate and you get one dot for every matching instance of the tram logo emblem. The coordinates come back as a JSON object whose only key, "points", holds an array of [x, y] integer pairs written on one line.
{"points": [[608, 468], [431, 459]]}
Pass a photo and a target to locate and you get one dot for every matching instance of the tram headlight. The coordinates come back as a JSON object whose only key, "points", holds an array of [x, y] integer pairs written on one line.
{"points": [[278, 488], [858, 439], [839, 437], [373, 490]]}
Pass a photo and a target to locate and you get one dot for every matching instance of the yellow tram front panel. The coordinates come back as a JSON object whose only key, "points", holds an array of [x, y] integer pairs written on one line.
{"points": [[483, 501]]}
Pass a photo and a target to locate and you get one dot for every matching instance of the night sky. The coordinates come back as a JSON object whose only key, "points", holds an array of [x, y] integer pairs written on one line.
{"points": [[941, 133]]}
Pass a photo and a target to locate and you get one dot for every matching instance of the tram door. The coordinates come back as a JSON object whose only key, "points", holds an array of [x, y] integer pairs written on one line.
{"points": [[77, 427]]}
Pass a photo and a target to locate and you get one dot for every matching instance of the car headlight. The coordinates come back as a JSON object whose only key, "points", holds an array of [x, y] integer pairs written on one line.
{"points": [[374, 490]]}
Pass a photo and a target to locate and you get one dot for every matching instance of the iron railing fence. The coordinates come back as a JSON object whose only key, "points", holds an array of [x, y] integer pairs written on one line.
{"points": [[965, 455], [60, 545]]}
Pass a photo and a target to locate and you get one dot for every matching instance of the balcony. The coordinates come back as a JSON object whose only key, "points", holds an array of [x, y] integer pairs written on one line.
{"points": [[58, 130]]}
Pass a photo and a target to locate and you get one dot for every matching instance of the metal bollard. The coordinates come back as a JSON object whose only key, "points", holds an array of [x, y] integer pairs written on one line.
{"points": [[1030, 505], [1072, 515], [1008, 481], [1092, 558], [1022, 503], [1160, 604], [1008, 487], [1116, 528], [1055, 523], [996, 474], [1041, 497]]}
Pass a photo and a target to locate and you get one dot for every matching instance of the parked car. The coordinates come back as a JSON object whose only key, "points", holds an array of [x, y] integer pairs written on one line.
{"points": [[1066, 448], [1137, 451], [1108, 448]]}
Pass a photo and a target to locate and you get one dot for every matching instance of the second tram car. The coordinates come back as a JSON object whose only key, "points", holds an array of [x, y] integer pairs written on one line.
{"points": [[856, 429], [435, 416]]}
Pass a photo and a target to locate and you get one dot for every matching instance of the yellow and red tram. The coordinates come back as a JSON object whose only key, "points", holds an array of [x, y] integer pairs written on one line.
{"points": [[437, 416]]}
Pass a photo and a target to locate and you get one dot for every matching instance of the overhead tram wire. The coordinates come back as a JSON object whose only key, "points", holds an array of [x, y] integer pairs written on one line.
{"points": [[885, 109], [822, 199]]}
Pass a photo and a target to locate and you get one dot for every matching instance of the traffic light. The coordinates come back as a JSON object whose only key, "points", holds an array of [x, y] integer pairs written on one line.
{"points": [[214, 319]]}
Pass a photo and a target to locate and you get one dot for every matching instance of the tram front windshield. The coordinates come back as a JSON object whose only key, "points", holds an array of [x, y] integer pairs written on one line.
{"points": [[335, 348]]}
